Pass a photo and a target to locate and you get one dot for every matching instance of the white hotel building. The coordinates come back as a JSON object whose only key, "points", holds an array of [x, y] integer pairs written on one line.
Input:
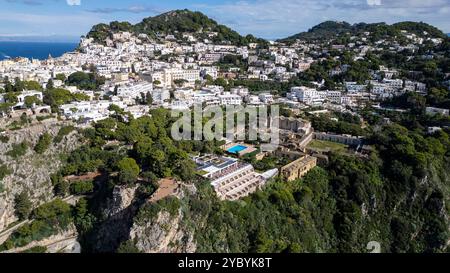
{"points": [[230, 178], [90, 110], [305, 95], [167, 76], [134, 90]]}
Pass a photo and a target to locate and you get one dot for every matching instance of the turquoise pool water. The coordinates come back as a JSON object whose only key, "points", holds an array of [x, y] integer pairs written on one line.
{"points": [[237, 149]]}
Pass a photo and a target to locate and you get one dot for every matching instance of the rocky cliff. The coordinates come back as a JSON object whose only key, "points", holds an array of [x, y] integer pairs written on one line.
{"points": [[164, 226], [164, 234], [152, 227], [117, 214], [31, 172]]}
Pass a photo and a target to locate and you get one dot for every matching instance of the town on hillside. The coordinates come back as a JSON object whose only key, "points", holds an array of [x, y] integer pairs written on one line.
{"points": [[104, 109]]}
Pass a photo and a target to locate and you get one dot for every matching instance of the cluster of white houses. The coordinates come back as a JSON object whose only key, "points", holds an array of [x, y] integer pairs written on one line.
{"points": [[170, 70], [215, 95], [355, 93], [176, 75]]}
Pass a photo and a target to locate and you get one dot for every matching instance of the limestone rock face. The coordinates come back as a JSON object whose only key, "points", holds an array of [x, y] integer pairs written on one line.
{"points": [[122, 198], [118, 212], [163, 235], [32, 171]]}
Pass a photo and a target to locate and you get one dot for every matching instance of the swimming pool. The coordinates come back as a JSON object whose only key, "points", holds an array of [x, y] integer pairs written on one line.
{"points": [[237, 149]]}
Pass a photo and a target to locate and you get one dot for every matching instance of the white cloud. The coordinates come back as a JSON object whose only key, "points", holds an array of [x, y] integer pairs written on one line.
{"points": [[73, 2]]}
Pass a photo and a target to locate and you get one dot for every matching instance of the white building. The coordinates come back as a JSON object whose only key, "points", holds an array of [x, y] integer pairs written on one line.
{"points": [[230, 99], [160, 95], [24, 94], [209, 70], [305, 95], [266, 98], [230, 178], [134, 90], [353, 87], [167, 76], [241, 91], [434, 111], [334, 96], [85, 110], [183, 94]]}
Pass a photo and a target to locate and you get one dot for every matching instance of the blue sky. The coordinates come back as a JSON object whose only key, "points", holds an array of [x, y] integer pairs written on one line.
{"points": [[264, 18]]}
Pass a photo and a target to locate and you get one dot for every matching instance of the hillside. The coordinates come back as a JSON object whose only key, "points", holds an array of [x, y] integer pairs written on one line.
{"points": [[331, 29], [174, 23], [398, 197]]}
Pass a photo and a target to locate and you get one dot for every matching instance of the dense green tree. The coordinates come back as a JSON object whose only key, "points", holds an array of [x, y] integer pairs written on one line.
{"points": [[82, 187], [57, 211], [22, 205], [59, 96], [61, 77], [33, 85], [19, 85], [11, 97], [84, 220], [31, 101], [128, 170], [50, 84], [43, 143], [86, 81]]}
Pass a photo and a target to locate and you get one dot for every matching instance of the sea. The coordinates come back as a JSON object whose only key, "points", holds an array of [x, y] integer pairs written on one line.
{"points": [[34, 50]]}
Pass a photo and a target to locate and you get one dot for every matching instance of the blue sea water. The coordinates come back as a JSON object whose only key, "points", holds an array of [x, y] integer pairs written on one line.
{"points": [[36, 50]]}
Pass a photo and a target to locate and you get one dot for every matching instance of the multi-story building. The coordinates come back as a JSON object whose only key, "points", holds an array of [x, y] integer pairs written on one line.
{"points": [[160, 95], [353, 87], [295, 125], [230, 178], [241, 91], [167, 76], [334, 96], [190, 75], [209, 70], [305, 95], [230, 99], [298, 168], [266, 98], [134, 90]]}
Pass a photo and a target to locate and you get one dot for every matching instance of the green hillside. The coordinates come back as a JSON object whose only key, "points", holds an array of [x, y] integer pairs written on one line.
{"points": [[175, 23], [331, 29]]}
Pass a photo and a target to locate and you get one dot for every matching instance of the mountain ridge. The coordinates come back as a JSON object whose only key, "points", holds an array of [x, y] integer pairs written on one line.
{"points": [[331, 29], [175, 22]]}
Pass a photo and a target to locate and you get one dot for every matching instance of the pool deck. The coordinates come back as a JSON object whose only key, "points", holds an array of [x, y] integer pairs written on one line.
{"points": [[250, 148]]}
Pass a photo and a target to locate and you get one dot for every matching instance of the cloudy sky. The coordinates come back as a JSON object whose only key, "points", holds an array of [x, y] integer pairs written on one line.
{"points": [[264, 18]]}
